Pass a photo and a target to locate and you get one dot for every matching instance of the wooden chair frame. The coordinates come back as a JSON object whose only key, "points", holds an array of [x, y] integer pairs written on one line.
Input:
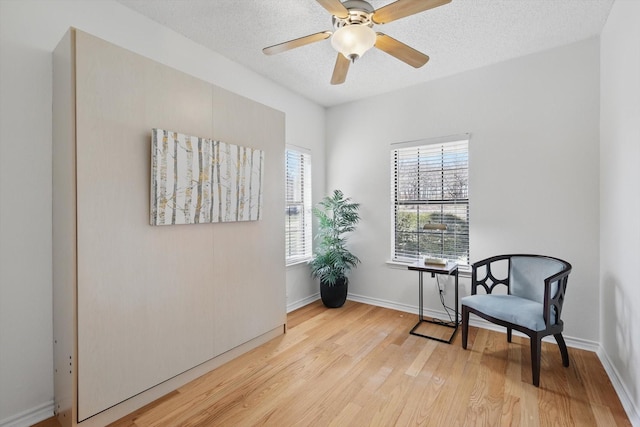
{"points": [[489, 283]]}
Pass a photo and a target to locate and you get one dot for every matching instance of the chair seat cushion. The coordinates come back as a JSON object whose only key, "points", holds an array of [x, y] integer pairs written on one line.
{"points": [[509, 308]]}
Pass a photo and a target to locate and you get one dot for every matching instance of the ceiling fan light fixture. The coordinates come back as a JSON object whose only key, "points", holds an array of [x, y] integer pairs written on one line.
{"points": [[353, 22], [353, 40]]}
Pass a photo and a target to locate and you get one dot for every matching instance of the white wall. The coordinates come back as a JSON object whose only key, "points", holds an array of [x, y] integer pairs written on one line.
{"points": [[533, 169], [29, 31], [620, 196], [534, 148]]}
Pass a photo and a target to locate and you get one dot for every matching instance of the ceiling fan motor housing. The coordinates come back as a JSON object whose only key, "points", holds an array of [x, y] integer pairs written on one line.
{"points": [[360, 13]]}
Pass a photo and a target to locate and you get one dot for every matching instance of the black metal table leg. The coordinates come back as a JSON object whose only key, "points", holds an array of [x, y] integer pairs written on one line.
{"points": [[451, 269]]}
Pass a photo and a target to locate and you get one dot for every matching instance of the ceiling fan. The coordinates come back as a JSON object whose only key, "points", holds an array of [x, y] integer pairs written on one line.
{"points": [[353, 33]]}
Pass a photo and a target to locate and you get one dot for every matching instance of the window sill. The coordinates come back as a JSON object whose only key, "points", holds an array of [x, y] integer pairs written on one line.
{"points": [[298, 262], [463, 270], [398, 265]]}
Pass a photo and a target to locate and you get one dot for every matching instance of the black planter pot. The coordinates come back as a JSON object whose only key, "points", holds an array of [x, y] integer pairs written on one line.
{"points": [[334, 296]]}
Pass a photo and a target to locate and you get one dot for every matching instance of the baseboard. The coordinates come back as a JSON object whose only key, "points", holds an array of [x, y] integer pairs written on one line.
{"points": [[625, 397], [136, 402], [301, 303], [30, 416], [389, 304], [474, 321], [618, 385], [572, 342], [44, 411]]}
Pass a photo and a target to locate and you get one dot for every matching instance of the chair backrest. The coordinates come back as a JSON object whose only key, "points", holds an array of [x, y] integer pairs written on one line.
{"points": [[527, 274]]}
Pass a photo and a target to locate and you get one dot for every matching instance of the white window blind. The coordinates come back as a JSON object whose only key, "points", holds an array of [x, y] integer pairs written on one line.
{"points": [[430, 186], [298, 240]]}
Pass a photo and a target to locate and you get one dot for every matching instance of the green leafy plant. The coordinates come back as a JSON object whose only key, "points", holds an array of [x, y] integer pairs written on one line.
{"points": [[337, 216]]}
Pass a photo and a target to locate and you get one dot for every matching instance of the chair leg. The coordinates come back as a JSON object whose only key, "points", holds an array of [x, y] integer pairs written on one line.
{"points": [[509, 334], [465, 326], [536, 345], [563, 349]]}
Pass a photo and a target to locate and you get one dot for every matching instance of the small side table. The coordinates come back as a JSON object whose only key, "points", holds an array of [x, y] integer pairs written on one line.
{"points": [[450, 269]]}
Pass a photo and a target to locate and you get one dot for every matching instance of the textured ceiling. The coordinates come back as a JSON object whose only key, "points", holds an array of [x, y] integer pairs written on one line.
{"points": [[459, 36]]}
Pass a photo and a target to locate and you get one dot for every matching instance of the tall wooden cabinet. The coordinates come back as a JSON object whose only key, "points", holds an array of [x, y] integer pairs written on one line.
{"points": [[140, 310]]}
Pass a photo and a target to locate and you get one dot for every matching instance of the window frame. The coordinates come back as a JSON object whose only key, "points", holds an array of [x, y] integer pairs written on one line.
{"points": [[453, 242], [303, 205]]}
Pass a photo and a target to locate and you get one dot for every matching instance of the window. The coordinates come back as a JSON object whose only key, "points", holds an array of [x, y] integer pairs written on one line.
{"points": [[430, 188], [297, 205]]}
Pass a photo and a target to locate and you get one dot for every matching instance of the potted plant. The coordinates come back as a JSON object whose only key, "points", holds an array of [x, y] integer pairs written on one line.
{"points": [[332, 261]]}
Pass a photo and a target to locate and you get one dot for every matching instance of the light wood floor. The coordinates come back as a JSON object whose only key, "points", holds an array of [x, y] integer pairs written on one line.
{"points": [[358, 366]]}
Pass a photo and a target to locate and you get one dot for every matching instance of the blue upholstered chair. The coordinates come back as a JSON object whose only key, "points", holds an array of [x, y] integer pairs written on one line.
{"points": [[535, 288]]}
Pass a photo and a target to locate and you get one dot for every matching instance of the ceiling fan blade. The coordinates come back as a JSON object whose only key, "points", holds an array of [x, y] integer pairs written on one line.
{"points": [[403, 8], [340, 70], [292, 44], [400, 50], [335, 7]]}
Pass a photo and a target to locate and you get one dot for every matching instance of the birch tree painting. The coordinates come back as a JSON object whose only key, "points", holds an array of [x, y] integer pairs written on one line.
{"points": [[198, 180]]}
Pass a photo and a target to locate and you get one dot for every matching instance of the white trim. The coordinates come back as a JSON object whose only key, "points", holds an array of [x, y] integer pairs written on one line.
{"points": [[46, 410], [623, 394], [301, 303], [297, 148], [625, 398], [572, 342], [30, 416], [473, 321], [299, 261], [463, 270], [412, 152], [430, 141], [305, 187], [398, 265], [385, 303], [136, 402]]}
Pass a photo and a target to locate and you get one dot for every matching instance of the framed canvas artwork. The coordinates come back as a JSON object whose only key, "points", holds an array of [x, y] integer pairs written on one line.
{"points": [[198, 180]]}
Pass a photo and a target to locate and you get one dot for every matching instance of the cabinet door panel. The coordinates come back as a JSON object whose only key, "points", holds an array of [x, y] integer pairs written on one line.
{"points": [[144, 293], [251, 253]]}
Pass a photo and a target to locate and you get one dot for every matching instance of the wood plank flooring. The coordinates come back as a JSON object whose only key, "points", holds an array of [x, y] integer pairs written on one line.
{"points": [[358, 366]]}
